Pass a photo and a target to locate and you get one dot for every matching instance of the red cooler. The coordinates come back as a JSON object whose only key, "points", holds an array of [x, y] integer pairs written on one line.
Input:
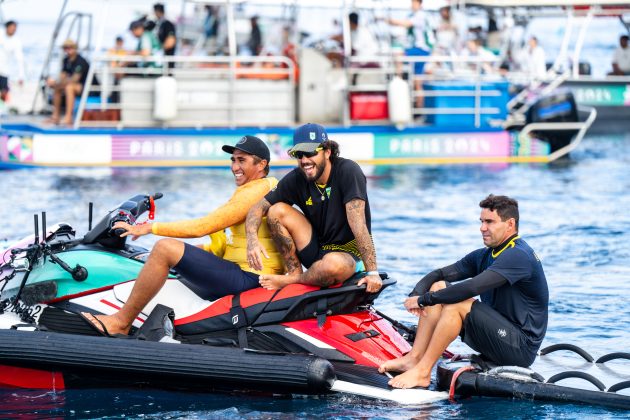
{"points": [[368, 106]]}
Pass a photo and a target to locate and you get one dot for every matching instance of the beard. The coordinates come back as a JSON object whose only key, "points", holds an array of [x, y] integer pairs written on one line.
{"points": [[319, 170]]}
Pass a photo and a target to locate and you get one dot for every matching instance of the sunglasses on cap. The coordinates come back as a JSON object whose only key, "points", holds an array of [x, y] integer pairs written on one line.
{"points": [[298, 154]]}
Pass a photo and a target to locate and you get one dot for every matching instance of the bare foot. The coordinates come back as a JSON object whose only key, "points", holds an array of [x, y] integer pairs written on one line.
{"points": [[52, 120], [275, 281], [401, 364], [111, 323], [414, 377], [66, 121]]}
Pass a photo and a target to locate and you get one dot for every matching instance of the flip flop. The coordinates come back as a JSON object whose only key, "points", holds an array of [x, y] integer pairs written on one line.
{"points": [[101, 331]]}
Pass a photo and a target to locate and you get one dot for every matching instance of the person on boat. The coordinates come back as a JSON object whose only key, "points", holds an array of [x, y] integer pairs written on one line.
{"points": [[621, 58], [10, 52], [419, 33], [362, 45], [330, 234], [446, 34], [485, 59], [216, 269], [74, 71], [507, 325], [533, 61], [148, 44], [446, 44], [254, 43], [165, 32]]}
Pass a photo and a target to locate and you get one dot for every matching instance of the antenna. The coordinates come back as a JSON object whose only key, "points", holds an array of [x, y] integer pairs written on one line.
{"points": [[90, 208], [36, 229], [44, 233]]}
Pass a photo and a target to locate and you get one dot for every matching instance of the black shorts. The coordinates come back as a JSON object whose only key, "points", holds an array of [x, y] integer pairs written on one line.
{"points": [[4, 84], [211, 277], [313, 252], [492, 335]]}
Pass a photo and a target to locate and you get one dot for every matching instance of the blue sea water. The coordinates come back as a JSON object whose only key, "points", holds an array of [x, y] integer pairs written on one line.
{"points": [[574, 214]]}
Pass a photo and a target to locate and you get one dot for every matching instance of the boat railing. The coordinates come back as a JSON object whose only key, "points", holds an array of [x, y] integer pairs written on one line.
{"points": [[519, 104], [449, 86], [129, 91], [581, 127]]}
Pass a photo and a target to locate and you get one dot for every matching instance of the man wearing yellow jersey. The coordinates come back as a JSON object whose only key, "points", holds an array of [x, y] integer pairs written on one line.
{"points": [[217, 269]]}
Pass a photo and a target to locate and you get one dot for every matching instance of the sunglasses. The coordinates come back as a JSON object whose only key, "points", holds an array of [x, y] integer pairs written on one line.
{"points": [[298, 154]]}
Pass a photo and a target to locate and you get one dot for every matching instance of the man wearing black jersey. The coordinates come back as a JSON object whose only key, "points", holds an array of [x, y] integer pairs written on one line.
{"points": [[331, 235], [165, 32], [506, 325]]}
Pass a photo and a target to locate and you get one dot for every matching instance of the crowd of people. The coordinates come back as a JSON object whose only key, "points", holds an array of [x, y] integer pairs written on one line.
{"points": [[424, 35]]}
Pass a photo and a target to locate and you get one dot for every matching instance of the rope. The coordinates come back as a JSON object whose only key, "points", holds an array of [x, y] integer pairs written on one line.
{"points": [[451, 390]]}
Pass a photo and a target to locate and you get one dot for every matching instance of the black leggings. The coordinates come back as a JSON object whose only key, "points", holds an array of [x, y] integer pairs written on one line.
{"points": [[211, 277]]}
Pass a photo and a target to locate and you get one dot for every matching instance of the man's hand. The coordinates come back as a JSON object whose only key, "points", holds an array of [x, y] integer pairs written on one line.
{"points": [[135, 230], [254, 251], [411, 304], [373, 282]]}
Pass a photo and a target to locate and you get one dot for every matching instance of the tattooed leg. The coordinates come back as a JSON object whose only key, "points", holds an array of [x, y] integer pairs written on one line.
{"points": [[290, 231], [285, 245]]}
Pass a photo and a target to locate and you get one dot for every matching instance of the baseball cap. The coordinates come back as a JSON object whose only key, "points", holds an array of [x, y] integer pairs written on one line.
{"points": [[252, 145], [308, 137], [68, 43]]}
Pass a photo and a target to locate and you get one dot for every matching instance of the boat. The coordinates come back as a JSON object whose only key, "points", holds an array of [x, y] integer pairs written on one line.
{"points": [[562, 372], [297, 340], [608, 94], [178, 111]]}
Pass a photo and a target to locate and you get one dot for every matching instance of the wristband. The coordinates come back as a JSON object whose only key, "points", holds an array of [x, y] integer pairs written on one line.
{"points": [[372, 273]]}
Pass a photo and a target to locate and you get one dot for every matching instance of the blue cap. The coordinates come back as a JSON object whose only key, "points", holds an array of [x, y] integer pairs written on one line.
{"points": [[308, 137]]}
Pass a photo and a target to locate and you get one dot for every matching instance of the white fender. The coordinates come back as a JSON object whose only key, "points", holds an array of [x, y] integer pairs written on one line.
{"points": [[165, 98], [399, 101]]}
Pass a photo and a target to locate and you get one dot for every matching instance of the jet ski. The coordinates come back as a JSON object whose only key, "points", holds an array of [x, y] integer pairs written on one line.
{"points": [[297, 340]]}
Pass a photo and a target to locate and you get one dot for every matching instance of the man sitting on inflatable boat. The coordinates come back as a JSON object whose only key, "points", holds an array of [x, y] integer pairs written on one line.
{"points": [[509, 323], [217, 270], [331, 235]]}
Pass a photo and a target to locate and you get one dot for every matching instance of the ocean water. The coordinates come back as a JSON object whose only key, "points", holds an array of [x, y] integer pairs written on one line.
{"points": [[574, 213]]}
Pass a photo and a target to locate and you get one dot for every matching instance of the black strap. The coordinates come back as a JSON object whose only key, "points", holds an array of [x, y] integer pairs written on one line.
{"points": [[322, 311], [239, 320]]}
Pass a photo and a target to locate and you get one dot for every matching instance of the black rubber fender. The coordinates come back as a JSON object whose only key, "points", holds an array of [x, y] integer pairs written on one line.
{"points": [[84, 360], [577, 374], [570, 347], [613, 356], [619, 386]]}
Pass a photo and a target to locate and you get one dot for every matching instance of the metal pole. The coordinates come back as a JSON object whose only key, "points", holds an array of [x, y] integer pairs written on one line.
{"points": [[232, 50], [347, 51], [90, 76], [579, 43], [44, 74]]}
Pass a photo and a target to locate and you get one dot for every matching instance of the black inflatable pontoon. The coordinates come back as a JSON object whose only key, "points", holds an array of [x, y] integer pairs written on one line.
{"points": [[83, 361], [587, 381]]}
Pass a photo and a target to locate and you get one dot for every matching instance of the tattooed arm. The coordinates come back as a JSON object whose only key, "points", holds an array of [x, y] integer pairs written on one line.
{"points": [[252, 223], [355, 211]]}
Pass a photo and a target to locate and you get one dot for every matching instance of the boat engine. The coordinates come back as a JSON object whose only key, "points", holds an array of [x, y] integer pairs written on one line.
{"points": [[557, 107]]}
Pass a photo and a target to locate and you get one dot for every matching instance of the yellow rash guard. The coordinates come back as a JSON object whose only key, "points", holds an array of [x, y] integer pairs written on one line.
{"points": [[230, 215]]}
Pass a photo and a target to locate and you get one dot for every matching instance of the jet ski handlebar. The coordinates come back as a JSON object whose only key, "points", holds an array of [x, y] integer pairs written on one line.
{"points": [[128, 212]]}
